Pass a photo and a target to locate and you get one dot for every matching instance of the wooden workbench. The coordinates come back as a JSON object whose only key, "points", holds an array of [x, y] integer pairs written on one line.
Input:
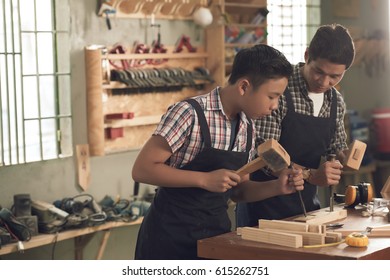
{"points": [[81, 236], [232, 246]]}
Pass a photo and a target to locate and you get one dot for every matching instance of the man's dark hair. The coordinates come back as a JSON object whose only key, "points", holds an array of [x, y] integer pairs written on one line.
{"points": [[259, 64], [334, 43]]}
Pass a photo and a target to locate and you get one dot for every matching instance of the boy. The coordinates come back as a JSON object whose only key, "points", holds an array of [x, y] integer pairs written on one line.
{"points": [[195, 150]]}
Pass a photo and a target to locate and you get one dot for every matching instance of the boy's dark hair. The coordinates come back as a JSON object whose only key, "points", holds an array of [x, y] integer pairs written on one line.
{"points": [[334, 43], [258, 64]]}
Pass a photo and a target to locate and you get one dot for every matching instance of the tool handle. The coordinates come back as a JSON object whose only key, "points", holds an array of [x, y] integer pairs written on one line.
{"points": [[331, 157], [252, 166]]}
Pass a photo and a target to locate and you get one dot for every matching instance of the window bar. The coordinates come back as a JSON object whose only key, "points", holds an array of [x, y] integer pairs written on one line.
{"points": [[57, 98], [1, 99], [15, 86], [7, 86], [21, 87], [38, 81]]}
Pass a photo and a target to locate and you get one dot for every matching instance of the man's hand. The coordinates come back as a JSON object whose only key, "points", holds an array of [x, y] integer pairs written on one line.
{"points": [[328, 174]]}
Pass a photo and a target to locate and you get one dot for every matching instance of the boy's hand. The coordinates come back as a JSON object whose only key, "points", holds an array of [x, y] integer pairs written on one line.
{"points": [[290, 181], [220, 180]]}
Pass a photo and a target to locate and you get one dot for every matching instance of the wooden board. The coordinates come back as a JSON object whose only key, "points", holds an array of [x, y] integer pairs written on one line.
{"points": [[282, 225], [323, 216], [380, 231], [272, 237]]}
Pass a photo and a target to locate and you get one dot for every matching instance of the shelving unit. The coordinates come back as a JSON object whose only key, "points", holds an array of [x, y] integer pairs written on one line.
{"points": [[147, 107], [240, 15]]}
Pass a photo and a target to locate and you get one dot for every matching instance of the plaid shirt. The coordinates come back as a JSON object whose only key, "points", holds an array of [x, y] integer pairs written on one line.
{"points": [[270, 127], [180, 128]]}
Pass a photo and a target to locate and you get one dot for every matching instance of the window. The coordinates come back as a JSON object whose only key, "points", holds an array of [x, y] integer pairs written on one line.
{"points": [[35, 119], [291, 25]]}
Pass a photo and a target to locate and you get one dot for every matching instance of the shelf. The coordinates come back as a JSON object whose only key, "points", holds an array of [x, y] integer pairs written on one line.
{"points": [[194, 55], [137, 121], [161, 9], [150, 102], [45, 239], [246, 25], [238, 45], [244, 5]]}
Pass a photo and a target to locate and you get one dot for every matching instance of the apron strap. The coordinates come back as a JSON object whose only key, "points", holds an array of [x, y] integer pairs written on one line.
{"points": [[204, 127], [249, 136]]}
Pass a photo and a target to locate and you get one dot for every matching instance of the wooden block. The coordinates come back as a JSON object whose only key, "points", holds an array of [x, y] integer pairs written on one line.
{"points": [[330, 239], [323, 216], [337, 236], [83, 166], [355, 154], [315, 228], [270, 237], [308, 238], [239, 231], [282, 225], [385, 192]]}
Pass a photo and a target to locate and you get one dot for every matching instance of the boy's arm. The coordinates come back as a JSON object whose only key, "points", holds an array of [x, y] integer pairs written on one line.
{"points": [[150, 167]]}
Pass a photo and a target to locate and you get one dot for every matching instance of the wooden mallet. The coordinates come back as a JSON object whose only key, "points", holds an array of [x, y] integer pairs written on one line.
{"points": [[355, 155], [270, 154]]}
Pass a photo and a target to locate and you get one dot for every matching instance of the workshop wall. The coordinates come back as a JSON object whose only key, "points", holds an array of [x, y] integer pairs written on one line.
{"points": [[365, 87], [111, 174]]}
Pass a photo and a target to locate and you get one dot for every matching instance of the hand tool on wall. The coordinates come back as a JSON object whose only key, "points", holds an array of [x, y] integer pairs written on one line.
{"points": [[331, 157], [270, 154]]}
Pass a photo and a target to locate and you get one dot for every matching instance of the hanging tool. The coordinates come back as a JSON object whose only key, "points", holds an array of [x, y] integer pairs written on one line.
{"points": [[107, 9], [331, 157]]}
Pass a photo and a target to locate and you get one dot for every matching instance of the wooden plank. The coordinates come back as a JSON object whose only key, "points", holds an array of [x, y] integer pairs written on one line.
{"points": [[270, 237], [282, 225], [308, 238], [315, 228], [380, 231], [323, 216], [337, 236]]}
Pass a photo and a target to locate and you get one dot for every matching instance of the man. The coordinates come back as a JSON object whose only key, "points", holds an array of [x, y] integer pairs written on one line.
{"points": [[309, 124]]}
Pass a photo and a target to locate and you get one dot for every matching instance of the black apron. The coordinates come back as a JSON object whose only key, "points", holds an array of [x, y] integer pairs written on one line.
{"points": [[178, 217], [306, 139]]}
